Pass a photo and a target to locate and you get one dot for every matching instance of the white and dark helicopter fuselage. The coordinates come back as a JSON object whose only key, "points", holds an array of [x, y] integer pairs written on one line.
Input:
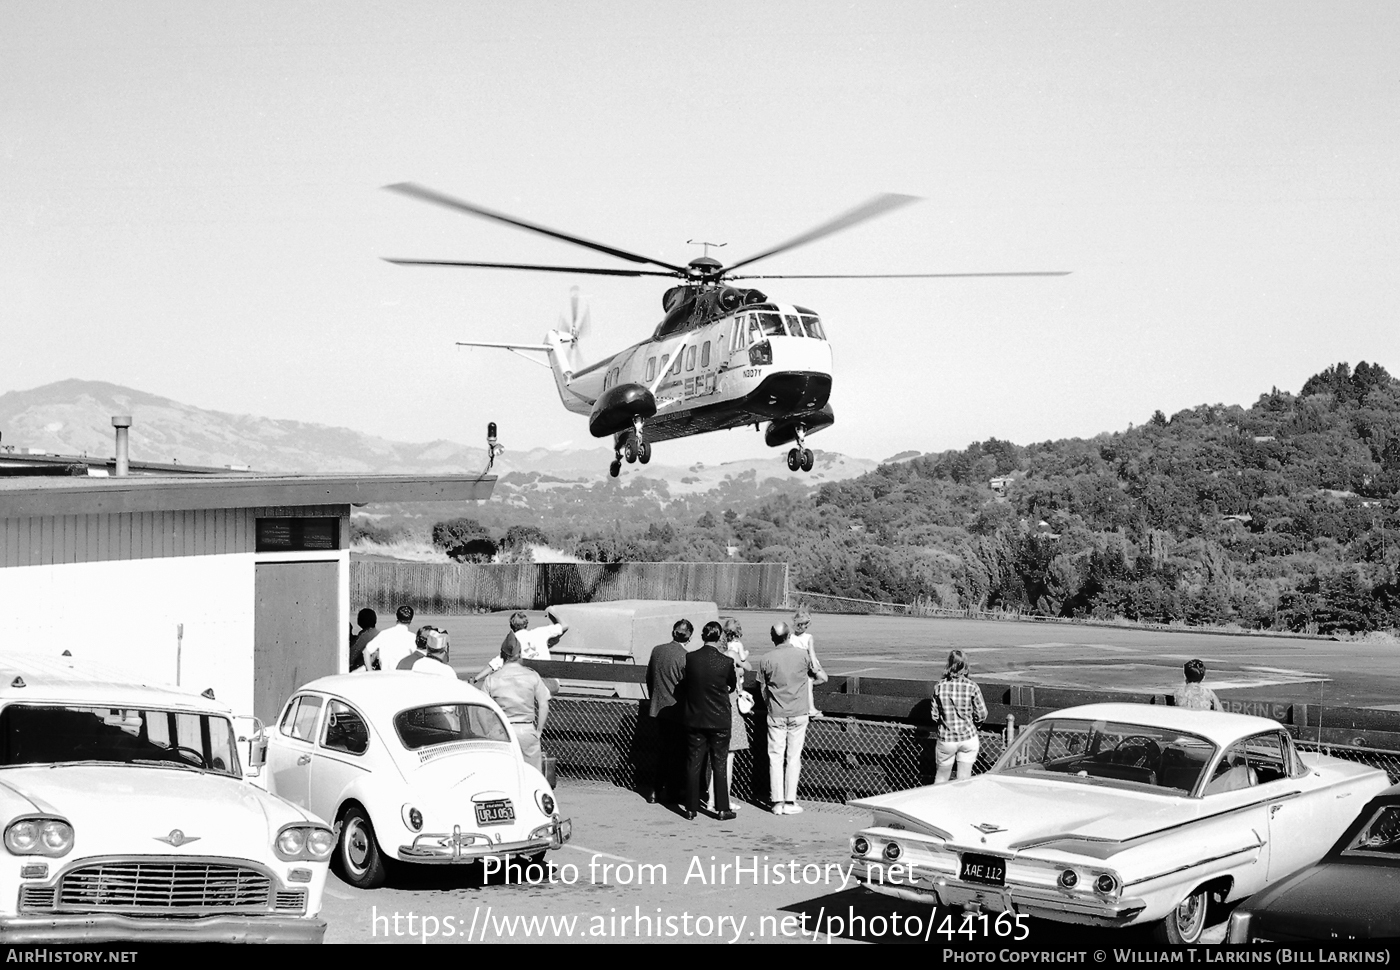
{"points": [[759, 362]]}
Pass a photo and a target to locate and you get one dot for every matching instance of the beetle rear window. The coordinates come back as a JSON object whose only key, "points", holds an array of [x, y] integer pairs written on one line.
{"points": [[55, 735], [422, 727]]}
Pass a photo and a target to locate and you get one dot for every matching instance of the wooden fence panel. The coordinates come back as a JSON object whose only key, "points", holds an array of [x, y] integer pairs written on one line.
{"points": [[471, 587]]}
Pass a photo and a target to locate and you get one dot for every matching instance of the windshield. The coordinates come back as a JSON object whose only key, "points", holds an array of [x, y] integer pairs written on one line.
{"points": [[771, 323], [52, 735], [1110, 753], [443, 723], [1379, 837]]}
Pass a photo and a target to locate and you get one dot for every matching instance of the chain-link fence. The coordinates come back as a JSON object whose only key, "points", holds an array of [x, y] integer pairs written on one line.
{"points": [[842, 758]]}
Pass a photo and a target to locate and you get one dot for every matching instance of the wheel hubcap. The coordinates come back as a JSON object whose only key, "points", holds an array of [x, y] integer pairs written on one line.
{"points": [[1189, 916], [356, 847]]}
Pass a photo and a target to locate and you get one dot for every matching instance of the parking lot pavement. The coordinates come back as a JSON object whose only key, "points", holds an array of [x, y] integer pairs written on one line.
{"points": [[633, 872], [641, 873]]}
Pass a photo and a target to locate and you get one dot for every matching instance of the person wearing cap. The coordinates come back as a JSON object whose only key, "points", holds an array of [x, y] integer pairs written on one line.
{"points": [[522, 697], [534, 644], [430, 657], [393, 644], [1194, 695]]}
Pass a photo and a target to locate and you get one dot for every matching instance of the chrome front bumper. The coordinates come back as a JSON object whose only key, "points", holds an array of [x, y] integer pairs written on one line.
{"points": [[457, 846], [88, 927], [923, 886]]}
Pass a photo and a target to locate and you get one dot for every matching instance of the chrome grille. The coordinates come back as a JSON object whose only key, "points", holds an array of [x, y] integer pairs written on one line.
{"points": [[36, 897], [291, 901], [147, 886]]}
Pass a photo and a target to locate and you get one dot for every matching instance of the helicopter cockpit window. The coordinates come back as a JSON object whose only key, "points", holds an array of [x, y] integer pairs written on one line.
{"points": [[651, 369], [794, 327], [755, 331], [690, 358], [771, 323], [814, 327], [741, 329]]}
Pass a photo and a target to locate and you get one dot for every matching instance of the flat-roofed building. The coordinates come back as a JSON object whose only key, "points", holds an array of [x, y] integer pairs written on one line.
{"points": [[238, 583]]}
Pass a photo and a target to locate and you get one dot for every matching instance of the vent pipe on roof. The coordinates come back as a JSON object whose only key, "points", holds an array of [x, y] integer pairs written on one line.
{"points": [[122, 422]]}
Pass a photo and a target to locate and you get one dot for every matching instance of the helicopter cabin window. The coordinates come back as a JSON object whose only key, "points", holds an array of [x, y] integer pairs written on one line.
{"points": [[651, 369], [616, 373], [814, 327], [690, 358], [665, 359], [705, 355], [676, 367]]}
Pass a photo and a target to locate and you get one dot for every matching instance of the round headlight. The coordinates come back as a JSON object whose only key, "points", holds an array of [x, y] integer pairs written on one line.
{"points": [[291, 841], [893, 851], [1106, 884], [860, 845], [1069, 879], [56, 836], [23, 836], [320, 843]]}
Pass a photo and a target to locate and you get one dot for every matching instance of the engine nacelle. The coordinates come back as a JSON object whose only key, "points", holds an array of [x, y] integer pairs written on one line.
{"points": [[614, 411], [781, 432], [730, 299], [754, 296]]}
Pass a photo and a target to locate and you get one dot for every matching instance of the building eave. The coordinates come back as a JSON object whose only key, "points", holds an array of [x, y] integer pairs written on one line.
{"points": [[97, 496]]}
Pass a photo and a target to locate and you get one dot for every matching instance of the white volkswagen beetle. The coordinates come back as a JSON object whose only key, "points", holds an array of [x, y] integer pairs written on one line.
{"points": [[412, 768], [1117, 814], [126, 816]]}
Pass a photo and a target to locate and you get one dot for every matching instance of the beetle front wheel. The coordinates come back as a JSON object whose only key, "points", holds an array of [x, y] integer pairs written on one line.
{"points": [[358, 858]]}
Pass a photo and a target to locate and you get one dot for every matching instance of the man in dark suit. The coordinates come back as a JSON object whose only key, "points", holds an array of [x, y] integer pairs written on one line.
{"points": [[709, 680], [665, 670]]}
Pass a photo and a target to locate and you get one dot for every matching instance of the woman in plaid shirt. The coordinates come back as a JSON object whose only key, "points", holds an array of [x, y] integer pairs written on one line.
{"points": [[958, 708]]}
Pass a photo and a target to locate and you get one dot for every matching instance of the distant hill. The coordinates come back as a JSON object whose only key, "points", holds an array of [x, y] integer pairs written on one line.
{"points": [[74, 417]]}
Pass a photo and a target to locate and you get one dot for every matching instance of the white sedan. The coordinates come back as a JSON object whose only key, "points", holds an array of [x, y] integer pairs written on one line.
{"points": [[412, 769], [1117, 814]]}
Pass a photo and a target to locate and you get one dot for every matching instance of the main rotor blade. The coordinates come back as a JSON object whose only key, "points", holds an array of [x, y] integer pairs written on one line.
{"points": [[879, 205], [891, 276], [437, 198], [593, 270]]}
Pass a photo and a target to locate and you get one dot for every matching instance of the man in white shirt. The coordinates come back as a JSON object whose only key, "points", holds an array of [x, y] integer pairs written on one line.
{"points": [[534, 644], [394, 644]]}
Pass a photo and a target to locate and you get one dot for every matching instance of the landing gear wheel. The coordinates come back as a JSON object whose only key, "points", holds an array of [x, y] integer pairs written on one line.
{"points": [[644, 452], [794, 460], [1187, 922], [615, 468], [357, 857], [808, 459], [629, 450]]}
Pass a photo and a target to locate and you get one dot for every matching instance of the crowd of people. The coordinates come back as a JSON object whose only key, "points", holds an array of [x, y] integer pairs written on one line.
{"points": [[698, 701]]}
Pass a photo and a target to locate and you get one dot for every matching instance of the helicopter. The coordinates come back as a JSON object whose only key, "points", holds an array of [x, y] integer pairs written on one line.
{"points": [[723, 356]]}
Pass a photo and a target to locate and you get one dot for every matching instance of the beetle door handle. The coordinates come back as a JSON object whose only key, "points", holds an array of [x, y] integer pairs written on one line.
{"points": [[306, 760], [1273, 809]]}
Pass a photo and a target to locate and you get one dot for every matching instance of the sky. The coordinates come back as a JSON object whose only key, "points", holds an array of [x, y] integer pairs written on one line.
{"points": [[192, 202]]}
